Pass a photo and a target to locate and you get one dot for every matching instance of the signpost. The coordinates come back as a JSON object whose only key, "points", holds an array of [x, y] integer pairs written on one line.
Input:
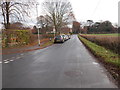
{"points": [[54, 30], [38, 26]]}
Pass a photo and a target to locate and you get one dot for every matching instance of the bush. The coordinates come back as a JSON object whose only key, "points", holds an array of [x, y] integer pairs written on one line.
{"points": [[48, 35], [17, 37]]}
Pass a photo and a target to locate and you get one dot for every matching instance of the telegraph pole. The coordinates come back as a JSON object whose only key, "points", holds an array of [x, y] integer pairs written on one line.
{"points": [[37, 26], [54, 30]]}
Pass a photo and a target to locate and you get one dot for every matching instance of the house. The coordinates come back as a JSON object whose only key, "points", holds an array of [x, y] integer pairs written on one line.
{"points": [[65, 30], [76, 27]]}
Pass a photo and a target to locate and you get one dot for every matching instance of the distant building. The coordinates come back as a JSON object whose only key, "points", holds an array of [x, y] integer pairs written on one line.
{"points": [[17, 25], [65, 30], [76, 27], [84, 29]]}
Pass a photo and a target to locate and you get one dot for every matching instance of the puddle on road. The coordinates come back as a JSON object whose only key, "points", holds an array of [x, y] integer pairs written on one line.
{"points": [[11, 60], [6, 62]]}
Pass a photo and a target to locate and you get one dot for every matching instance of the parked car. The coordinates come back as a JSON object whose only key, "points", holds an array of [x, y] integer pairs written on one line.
{"points": [[63, 35], [59, 38], [66, 37], [69, 36]]}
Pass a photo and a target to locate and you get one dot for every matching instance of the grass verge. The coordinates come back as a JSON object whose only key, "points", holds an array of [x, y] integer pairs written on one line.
{"points": [[113, 34], [47, 44], [109, 59], [44, 44]]}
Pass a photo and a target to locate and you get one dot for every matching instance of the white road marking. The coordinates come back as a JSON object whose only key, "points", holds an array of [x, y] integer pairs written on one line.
{"points": [[11, 60], [21, 54], [6, 62], [0, 61], [18, 57]]}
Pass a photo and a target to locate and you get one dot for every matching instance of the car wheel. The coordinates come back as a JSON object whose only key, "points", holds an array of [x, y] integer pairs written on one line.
{"points": [[54, 41]]}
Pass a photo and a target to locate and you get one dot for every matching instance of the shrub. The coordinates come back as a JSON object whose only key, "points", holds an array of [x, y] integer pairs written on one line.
{"points": [[17, 37]]}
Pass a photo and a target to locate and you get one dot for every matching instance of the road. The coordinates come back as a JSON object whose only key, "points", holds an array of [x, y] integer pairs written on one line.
{"points": [[67, 65]]}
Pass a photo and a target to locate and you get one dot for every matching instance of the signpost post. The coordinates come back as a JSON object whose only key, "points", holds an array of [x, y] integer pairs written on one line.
{"points": [[54, 30], [38, 26]]}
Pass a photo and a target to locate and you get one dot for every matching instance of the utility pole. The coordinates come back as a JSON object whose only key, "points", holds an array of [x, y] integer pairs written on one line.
{"points": [[54, 30], [37, 25]]}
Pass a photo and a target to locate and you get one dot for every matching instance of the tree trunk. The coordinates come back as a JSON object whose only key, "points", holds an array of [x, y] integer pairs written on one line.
{"points": [[7, 15]]}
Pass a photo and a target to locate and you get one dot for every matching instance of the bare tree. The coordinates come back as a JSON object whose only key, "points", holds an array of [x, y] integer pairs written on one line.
{"points": [[44, 21], [90, 22], [16, 10], [59, 13]]}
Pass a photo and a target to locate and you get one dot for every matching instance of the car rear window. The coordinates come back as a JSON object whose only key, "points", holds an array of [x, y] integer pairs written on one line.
{"points": [[58, 36]]}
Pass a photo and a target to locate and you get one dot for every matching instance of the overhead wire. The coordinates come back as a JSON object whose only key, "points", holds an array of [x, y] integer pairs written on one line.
{"points": [[98, 3]]}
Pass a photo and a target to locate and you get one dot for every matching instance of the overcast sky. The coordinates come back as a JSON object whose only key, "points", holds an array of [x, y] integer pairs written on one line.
{"points": [[95, 10], [84, 10]]}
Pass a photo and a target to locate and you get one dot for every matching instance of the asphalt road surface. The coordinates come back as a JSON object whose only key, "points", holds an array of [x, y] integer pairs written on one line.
{"points": [[67, 65]]}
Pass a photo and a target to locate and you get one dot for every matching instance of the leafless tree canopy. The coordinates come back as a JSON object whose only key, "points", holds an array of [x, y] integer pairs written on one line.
{"points": [[59, 12], [15, 10]]}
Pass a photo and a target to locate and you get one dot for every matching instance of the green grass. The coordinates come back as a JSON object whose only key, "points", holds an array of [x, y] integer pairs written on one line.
{"points": [[100, 51], [47, 44], [113, 34]]}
